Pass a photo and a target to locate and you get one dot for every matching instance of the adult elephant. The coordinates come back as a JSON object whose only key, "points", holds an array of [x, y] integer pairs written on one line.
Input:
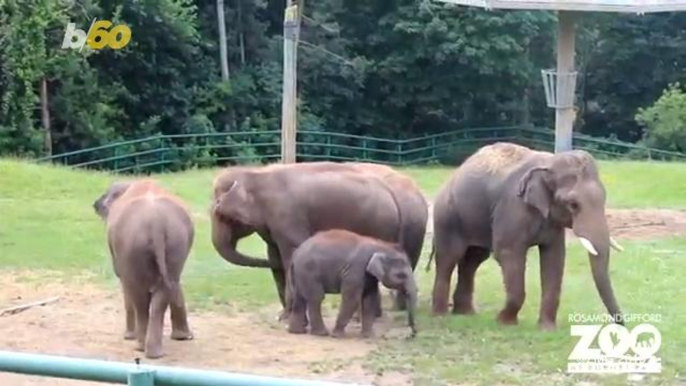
{"points": [[414, 207], [506, 198], [286, 204]]}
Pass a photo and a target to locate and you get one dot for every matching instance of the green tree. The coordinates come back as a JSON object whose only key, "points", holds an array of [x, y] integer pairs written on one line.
{"points": [[665, 121]]}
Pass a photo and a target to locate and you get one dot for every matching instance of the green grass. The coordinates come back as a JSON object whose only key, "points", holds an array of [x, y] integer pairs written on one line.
{"points": [[47, 222]]}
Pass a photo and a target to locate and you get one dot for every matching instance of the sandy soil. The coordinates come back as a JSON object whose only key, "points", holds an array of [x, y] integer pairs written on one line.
{"points": [[87, 321]]}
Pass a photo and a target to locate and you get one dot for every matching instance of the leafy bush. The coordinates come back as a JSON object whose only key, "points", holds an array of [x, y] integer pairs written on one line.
{"points": [[665, 121]]}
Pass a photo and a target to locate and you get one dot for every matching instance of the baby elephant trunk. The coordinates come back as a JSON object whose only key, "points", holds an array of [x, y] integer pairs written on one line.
{"points": [[411, 293]]}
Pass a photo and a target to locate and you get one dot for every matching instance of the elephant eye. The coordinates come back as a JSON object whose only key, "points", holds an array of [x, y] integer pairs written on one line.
{"points": [[401, 276], [574, 206]]}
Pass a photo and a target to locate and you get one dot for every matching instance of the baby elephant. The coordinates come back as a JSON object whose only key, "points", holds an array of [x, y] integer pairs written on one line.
{"points": [[339, 261], [149, 234]]}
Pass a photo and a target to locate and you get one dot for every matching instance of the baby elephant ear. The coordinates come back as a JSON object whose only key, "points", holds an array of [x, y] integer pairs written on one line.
{"points": [[375, 266]]}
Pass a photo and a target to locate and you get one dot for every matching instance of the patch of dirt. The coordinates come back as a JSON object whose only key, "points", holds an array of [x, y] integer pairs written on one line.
{"points": [[644, 224], [88, 322]]}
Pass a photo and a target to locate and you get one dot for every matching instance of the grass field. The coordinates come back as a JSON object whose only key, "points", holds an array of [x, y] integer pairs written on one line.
{"points": [[47, 223]]}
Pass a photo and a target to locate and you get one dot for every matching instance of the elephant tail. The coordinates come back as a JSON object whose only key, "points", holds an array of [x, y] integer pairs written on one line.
{"points": [[290, 289], [432, 254], [159, 248], [398, 208]]}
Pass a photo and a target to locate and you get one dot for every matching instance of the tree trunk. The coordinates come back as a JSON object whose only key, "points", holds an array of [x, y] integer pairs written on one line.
{"points": [[223, 51], [224, 55], [45, 116]]}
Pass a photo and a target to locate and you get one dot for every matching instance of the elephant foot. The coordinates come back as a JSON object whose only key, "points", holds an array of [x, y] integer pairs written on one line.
{"points": [[129, 335], [338, 334], [547, 325], [507, 319], [295, 329], [463, 309], [154, 352], [140, 346], [319, 332], [369, 334], [182, 335]]}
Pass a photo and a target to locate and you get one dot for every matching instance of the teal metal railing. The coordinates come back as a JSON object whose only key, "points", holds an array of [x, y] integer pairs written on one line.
{"points": [[135, 374], [180, 151]]}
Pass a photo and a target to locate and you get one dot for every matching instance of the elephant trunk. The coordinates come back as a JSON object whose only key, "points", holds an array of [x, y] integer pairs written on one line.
{"points": [[597, 242], [225, 243], [411, 292]]}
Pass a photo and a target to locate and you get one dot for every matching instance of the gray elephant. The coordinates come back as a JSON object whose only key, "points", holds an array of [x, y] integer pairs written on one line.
{"points": [[149, 234], [339, 261], [287, 204], [507, 198]]}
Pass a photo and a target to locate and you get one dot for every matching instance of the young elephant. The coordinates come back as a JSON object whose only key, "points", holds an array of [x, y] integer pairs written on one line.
{"points": [[340, 261], [149, 234]]}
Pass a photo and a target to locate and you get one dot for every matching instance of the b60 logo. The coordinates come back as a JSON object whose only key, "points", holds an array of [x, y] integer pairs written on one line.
{"points": [[99, 36]]}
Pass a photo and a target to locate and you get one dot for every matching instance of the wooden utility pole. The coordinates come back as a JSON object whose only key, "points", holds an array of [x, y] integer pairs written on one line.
{"points": [[289, 114]]}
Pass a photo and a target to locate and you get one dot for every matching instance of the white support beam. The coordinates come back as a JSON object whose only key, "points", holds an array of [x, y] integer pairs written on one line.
{"points": [[564, 116]]}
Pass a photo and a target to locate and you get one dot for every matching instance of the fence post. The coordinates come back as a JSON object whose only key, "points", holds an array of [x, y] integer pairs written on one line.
{"points": [[116, 160], [140, 377], [328, 147], [434, 153], [364, 149], [399, 149]]}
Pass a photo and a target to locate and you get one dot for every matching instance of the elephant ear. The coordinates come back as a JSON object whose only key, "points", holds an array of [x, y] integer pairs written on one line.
{"points": [[534, 190], [236, 204], [375, 267]]}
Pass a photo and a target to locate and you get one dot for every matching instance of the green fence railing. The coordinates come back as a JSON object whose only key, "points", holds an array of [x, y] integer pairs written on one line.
{"points": [[180, 151], [137, 374]]}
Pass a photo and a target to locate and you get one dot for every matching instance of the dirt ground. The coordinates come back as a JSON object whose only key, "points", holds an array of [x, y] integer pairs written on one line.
{"points": [[87, 321], [645, 224]]}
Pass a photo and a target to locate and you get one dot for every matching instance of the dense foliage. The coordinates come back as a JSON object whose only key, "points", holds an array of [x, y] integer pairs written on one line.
{"points": [[387, 68], [666, 120]]}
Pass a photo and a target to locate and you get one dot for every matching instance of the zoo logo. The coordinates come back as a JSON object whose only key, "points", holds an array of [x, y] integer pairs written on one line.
{"points": [[614, 341], [97, 37]]}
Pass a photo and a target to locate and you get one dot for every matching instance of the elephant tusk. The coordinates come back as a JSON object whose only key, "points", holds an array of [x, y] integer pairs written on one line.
{"points": [[615, 245], [588, 245]]}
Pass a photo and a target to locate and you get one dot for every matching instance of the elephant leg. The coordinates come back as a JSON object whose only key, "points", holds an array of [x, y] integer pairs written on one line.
{"points": [[129, 309], [314, 311], [369, 312], [140, 297], [278, 273], [448, 253], [463, 297], [350, 301], [552, 261], [297, 320], [158, 307], [513, 266], [179, 318]]}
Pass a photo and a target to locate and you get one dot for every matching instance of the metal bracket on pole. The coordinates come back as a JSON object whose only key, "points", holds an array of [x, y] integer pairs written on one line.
{"points": [[140, 376], [290, 23]]}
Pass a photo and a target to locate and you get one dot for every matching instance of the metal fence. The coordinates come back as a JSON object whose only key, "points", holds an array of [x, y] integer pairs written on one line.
{"points": [[135, 374], [180, 151]]}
